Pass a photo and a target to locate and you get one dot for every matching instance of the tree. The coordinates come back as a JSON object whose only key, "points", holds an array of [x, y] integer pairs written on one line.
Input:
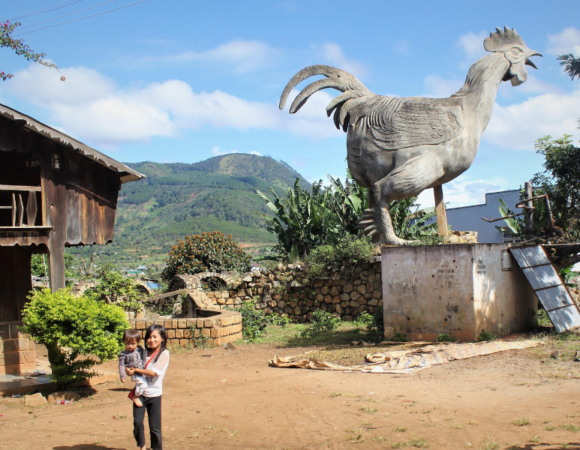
{"points": [[571, 65], [39, 265], [205, 252], [114, 288], [20, 48], [561, 181], [70, 327]]}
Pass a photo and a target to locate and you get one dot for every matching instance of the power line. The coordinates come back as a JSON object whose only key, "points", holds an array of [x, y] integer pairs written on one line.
{"points": [[81, 18], [46, 9], [64, 15]]}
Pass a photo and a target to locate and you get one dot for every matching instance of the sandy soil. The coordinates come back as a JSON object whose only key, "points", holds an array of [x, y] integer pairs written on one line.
{"points": [[231, 399]]}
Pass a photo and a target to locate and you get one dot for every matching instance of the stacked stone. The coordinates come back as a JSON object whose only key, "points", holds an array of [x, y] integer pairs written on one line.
{"points": [[221, 328], [17, 351], [292, 291]]}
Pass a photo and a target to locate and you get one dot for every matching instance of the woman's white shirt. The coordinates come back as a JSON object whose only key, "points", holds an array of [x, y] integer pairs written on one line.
{"points": [[155, 384]]}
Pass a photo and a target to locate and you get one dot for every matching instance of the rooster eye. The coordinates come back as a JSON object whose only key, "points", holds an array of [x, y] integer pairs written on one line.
{"points": [[516, 51]]}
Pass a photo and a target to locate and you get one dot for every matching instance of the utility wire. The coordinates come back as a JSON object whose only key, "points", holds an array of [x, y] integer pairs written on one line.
{"points": [[81, 18], [64, 15], [46, 9]]}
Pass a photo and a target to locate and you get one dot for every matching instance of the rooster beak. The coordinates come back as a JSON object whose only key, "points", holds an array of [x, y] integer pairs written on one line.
{"points": [[529, 62]]}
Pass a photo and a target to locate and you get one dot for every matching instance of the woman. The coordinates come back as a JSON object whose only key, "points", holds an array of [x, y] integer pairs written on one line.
{"points": [[155, 367]]}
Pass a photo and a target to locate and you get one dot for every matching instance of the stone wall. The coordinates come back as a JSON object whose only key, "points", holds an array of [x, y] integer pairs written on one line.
{"points": [[17, 353], [218, 327], [293, 291]]}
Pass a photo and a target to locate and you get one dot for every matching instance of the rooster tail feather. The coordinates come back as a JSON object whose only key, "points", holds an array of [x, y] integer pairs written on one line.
{"points": [[307, 72], [336, 79], [311, 89]]}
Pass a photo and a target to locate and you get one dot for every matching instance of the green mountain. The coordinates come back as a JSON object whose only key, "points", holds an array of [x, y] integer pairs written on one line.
{"points": [[179, 199]]}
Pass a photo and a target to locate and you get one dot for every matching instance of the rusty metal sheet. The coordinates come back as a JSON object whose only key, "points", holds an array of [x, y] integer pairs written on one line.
{"points": [[541, 277], [551, 291], [565, 319], [530, 256], [554, 297]]}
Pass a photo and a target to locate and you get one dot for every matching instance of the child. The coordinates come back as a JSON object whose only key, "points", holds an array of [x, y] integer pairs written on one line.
{"points": [[133, 357]]}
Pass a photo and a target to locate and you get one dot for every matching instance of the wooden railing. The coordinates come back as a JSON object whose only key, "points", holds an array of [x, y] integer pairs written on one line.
{"points": [[17, 206]]}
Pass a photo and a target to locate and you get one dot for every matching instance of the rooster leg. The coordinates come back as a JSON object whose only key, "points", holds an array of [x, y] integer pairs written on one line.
{"points": [[376, 221]]}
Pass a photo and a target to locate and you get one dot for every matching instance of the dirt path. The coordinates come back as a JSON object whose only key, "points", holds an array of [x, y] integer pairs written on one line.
{"points": [[232, 399]]}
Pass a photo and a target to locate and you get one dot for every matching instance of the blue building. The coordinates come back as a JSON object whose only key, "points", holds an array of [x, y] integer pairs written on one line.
{"points": [[468, 218]]}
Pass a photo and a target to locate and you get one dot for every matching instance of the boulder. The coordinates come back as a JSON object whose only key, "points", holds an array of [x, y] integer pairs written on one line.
{"points": [[35, 400]]}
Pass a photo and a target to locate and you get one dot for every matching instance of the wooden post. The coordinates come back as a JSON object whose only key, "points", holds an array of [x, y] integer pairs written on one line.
{"points": [[441, 213], [528, 214]]}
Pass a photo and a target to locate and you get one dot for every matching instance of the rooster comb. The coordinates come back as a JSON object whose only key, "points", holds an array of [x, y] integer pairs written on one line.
{"points": [[501, 38]]}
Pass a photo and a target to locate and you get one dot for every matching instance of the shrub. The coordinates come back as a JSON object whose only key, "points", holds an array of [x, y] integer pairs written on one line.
{"points": [[254, 321], [365, 319], [399, 337], [445, 338], [485, 336], [320, 321], [355, 249], [72, 326], [115, 288], [205, 252]]}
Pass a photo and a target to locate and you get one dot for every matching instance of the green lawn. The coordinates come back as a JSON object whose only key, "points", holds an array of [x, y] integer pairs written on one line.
{"points": [[288, 336]]}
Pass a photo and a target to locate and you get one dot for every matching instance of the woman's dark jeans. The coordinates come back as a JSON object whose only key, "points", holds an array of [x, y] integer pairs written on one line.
{"points": [[153, 407]]}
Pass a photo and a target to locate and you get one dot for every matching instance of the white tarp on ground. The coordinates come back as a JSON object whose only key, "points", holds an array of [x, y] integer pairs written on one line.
{"points": [[411, 359]]}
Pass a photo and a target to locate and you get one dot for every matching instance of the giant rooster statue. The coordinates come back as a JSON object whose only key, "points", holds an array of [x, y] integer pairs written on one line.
{"points": [[398, 147]]}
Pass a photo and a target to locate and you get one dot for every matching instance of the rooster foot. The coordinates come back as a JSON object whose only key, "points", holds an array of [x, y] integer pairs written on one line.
{"points": [[370, 223]]}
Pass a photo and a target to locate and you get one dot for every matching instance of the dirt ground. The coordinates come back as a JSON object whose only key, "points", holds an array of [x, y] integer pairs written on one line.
{"points": [[231, 399]]}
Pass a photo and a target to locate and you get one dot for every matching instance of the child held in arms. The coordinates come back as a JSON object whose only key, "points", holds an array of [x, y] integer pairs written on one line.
{"points": [[133, 357]]}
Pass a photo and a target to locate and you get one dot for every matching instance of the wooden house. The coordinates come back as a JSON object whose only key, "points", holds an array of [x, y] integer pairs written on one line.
{"points": [[55, 192]]}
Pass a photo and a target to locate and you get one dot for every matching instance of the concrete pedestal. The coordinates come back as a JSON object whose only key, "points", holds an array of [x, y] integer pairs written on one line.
{"points": [[457, 289]]}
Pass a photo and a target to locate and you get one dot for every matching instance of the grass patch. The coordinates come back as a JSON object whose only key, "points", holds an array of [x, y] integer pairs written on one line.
{"points": [[289, 336], [522, 422], [368, 410], [401, 429], [490, 444], [569, 427], [356, 436]]}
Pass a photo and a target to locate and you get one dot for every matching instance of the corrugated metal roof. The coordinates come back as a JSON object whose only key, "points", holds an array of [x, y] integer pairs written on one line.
{"points": [[549, 288], [127, 174]]}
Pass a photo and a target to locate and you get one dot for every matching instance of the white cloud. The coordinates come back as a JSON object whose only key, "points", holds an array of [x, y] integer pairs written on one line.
{"points": [[567, 41], [518, 126], [92, 107], [254, 152], [215, 151], [439, 87], [463, 191], [242, 56], [472, 46], [332, 54]]}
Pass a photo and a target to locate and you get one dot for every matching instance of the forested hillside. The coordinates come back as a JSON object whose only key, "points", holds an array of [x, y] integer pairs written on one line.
{"points": [[179, 199]]}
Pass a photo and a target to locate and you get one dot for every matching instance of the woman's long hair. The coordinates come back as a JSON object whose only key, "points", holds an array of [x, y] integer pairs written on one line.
{"points": [[161, 330]]}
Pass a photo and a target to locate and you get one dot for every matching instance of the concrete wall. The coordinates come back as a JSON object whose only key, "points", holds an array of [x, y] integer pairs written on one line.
{"points": [[455, 289], [468, 218]]}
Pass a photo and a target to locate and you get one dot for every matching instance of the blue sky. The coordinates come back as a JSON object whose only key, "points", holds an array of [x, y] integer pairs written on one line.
{"points": [[182, 81]]}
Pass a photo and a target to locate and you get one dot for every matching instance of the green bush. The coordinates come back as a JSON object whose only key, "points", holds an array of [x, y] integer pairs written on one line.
{"points": [[205, 252], [445, 338], [399, 337], [254, 321], [365, 319], [320, 321], [355, 249], [72, 326], [485, 336], [115, 288], [377, 324]]}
